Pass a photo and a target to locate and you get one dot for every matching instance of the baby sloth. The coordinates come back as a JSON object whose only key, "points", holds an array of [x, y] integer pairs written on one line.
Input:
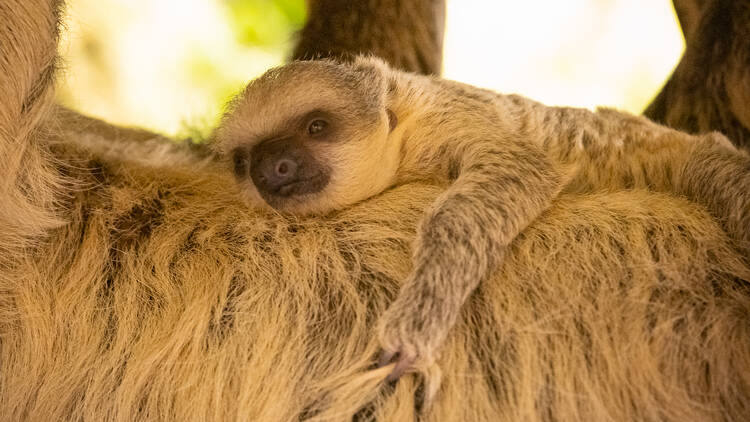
{"points": [[316, 136]]}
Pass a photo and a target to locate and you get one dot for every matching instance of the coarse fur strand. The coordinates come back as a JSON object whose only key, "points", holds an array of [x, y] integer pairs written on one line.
{"points": [[155, 294], [219, 312]]}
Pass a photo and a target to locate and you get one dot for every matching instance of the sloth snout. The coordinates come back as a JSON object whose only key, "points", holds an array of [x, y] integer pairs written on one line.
{"points": [[280, 168], [273, 173]]}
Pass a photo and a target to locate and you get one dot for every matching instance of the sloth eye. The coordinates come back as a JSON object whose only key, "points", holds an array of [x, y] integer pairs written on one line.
{"points": [[316, 126]]}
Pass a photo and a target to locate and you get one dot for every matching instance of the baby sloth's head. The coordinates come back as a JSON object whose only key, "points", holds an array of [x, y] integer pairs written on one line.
{"points": [[312, 136]]}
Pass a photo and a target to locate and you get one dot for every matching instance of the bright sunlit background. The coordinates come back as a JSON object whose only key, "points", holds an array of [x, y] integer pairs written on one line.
{"points": [[171, 65]]}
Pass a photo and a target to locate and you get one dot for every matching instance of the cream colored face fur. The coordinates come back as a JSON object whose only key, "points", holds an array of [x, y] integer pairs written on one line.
{"points": [[351, 158]]}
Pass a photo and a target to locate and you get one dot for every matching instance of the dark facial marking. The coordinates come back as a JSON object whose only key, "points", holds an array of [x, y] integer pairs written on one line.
{"points": [[240, 162], [318, 125], [283, 168]]}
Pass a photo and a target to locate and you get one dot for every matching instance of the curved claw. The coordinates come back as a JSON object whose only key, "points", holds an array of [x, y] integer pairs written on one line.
{"points": [[385, 358], [403, 362]]}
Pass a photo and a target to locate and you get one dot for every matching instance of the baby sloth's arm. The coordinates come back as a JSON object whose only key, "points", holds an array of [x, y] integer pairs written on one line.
{"points": [[500, 187], [511, 157]]}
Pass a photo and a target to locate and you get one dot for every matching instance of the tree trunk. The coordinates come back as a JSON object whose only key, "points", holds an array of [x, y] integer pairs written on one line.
{"points": [[408, 34], [710, 88]]}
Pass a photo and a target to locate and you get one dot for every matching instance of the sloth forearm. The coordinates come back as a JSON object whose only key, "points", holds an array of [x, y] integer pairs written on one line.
{"points": [[464, 233]]}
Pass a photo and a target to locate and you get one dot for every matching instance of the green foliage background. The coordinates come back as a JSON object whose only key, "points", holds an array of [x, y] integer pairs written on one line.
{"points": [[171, 65], [265, 22]]}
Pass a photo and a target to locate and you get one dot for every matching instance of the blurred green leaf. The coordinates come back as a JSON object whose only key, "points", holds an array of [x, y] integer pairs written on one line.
{"points": [[265, 22]]}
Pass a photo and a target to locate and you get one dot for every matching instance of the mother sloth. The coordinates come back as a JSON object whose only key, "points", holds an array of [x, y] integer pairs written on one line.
{"points": [[134, 286]]}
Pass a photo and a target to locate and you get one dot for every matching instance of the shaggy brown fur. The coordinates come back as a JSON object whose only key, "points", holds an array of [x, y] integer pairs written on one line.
{"points": [[710, 88], [131, 291], [408, 33]]}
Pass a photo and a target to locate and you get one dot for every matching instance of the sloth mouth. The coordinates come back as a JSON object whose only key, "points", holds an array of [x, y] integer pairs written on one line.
{"points": [[293, 188], [294, 192]]}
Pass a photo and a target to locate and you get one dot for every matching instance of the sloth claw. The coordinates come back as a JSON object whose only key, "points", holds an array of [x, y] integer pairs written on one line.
{"points": [[403, 362]]}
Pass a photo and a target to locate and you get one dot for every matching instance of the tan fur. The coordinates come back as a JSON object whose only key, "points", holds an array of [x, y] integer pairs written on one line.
{"points": [[506, 157], [154, 294]]}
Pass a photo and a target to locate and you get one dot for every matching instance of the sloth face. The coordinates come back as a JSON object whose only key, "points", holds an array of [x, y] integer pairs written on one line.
{"points": [[311, 137], [318, 163]]}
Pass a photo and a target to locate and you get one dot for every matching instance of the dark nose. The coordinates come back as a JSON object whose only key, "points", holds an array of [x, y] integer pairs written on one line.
{"points": [[274, 167], [272, 174]]}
